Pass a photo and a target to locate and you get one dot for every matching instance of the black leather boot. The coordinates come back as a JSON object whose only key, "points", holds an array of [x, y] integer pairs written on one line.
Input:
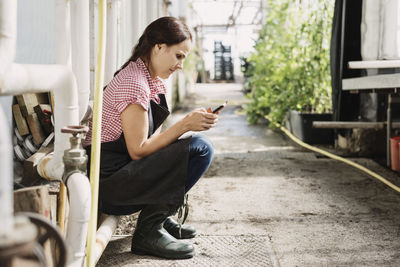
{"points": [[172, 228], [150, 238]]}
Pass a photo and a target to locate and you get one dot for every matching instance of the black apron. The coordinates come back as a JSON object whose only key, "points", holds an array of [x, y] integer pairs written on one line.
{"points": [[127, 185]]}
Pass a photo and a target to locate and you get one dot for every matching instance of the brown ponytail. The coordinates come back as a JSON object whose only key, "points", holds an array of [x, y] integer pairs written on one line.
{"points": [[165, 30]]}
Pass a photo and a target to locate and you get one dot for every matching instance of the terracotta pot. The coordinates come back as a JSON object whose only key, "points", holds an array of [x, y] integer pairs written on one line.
{"points": [[394, 153]]}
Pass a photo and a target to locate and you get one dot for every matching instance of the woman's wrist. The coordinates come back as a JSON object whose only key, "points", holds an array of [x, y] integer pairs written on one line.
{"points": [[182, 126]]}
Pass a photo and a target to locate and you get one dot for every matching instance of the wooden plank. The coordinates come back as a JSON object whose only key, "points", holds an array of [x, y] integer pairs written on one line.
{"points": [[53, 208], [20, 121], [44, 112], [36, 129], [35, 199], [30, 175], [26, 103]]}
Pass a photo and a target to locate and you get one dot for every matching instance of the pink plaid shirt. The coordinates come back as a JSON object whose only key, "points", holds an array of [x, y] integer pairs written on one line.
{"points": [[132, 85]]}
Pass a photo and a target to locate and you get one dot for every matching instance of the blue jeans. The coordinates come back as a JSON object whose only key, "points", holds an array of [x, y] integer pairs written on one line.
{"points": [[200, 156]]}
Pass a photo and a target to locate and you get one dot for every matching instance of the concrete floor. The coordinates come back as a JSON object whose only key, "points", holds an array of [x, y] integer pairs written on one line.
{"points": [[267, 202]]}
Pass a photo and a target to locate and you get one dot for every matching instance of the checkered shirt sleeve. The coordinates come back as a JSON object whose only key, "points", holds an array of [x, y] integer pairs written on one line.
{"points": [[133, 85], [131, 91]]}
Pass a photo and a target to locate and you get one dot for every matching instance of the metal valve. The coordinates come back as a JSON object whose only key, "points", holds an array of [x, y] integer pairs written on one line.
{"points": [[75, 158]]}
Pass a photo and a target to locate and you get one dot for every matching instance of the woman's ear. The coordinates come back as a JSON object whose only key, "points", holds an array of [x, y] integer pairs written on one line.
{"points": [[159, 47]]}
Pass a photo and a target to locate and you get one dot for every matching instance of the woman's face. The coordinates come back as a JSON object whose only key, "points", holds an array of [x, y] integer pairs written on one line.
{"points": [[167, 59]]}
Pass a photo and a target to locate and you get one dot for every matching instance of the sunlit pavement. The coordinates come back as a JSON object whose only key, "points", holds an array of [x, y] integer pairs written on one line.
{"points": [[266, 202]]}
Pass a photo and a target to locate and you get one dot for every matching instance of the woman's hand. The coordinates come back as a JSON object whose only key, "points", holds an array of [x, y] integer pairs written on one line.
{"points": [[135, 127], [199, 120]]}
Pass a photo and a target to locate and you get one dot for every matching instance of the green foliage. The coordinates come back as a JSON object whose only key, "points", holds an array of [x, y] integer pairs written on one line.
{"points": [[290, 64], [191, 63]]}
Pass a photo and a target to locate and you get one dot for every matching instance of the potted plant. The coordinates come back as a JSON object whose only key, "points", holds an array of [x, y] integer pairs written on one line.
{"points": [[290, 66]]}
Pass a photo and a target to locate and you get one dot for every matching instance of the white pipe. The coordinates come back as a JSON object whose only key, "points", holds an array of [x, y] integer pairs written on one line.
{"points": [[63, 32], [6, 167], [151, 10], [79, 199], [92, 44], [8, 34], [104, 234], [24, 78], [132, 23], [80, 48], [111, 41]]}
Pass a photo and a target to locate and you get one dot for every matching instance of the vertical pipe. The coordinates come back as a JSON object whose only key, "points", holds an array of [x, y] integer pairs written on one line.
{"points": [[111, 42], [61, 207], [95, 155], [92, 45], [63, 32], [137, 20], [62, 56], [388, 128], [80, 51], [63, 43], [8, 33], [6, 178], [151, 10], [79, 197]]}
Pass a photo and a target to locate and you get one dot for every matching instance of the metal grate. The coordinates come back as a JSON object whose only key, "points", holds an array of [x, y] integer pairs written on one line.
{"points": [[210, 251]]}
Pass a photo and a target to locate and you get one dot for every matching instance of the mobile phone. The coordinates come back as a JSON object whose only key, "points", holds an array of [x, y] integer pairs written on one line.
{"points": [[219, 107]]}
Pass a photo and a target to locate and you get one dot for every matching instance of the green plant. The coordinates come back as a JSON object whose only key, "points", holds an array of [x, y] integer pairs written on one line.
{"points": [[290, 64], [247, 70], [190, 65]]}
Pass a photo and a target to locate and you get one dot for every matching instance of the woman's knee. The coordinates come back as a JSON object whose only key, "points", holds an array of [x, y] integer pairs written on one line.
{"points": [[202, 146]]}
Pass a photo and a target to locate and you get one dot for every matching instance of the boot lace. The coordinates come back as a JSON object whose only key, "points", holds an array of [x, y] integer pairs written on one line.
{"points": [[183, 212]]}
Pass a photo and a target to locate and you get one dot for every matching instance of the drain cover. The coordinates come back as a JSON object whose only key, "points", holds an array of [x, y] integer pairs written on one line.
{"points": [[210, 251], [231, 251]]}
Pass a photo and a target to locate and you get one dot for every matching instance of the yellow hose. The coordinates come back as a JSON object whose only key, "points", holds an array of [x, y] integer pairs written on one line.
{"points": [[63, 189], [333, 156], [96, 134], [61, 207]]}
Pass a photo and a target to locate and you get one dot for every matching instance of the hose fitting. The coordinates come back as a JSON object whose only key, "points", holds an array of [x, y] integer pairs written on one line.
{"points": [[75, 158]]}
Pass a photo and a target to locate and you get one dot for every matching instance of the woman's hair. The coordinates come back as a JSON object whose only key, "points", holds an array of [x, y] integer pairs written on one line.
{"points": [[165, 30]]}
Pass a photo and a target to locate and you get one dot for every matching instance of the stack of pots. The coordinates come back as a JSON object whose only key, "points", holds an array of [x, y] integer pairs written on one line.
{"points": [[24, 147]]}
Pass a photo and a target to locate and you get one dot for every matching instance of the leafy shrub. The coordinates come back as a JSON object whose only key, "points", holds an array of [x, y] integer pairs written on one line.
{"points": [[290, 64]]}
